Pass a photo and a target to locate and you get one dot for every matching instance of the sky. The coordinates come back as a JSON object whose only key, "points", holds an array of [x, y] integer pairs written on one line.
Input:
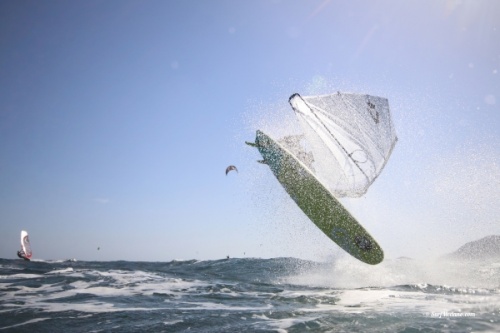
{"points": [[119, 118]]}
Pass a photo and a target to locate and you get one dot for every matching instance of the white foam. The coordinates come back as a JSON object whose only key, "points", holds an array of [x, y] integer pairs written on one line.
{"points": [[281, 325], [21, 276], [36, 320], [61, 271], [218, 306], [117, 284], [88, 307], [386, 300]]}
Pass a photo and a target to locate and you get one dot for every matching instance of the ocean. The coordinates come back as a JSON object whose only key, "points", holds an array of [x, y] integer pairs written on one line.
{"points": [[250, 295]]}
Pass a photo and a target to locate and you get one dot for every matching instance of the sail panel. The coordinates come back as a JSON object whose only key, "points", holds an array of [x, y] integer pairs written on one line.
{"points": [[353, 135], [25, 244]]}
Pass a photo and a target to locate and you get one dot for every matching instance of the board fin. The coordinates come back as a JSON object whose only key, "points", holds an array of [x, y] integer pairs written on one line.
{"points": [[252, 144]]}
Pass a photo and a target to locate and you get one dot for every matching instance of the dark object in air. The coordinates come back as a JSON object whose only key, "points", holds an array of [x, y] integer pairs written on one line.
{"points": [[230, 168]]}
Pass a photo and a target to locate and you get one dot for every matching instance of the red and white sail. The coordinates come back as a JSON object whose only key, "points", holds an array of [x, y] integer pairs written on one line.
{"points": [[25, 244]]}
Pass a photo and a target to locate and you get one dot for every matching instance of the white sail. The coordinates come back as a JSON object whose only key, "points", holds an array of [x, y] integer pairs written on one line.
{"points": [[351, 137], [25, 244]]}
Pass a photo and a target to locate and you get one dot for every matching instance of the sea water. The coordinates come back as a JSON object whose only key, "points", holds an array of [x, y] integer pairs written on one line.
{"points": [[250, 295]]}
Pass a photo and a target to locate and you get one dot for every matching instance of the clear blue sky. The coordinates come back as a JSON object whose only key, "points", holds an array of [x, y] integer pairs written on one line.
{"points": [[118, 119]]}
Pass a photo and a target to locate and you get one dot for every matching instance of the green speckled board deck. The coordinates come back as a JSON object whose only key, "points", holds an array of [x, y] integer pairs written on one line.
{"points": [[322, 208]]}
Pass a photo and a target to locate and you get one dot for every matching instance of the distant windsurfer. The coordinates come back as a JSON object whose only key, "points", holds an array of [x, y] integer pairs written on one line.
{"points": [[25, 252], [22, 255]]}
